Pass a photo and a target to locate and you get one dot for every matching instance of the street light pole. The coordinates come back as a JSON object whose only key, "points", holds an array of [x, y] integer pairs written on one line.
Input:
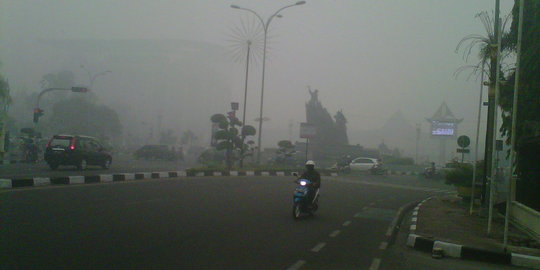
{"points": [[92, 78], [245, 103], [265, 28], [510, 196]]}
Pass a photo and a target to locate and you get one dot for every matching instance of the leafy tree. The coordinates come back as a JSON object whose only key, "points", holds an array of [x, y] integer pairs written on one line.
{"points": [[79, 116], [168, 137], [285, 153], [62, 79], [528, 114], [229, 138], [188, 137]]}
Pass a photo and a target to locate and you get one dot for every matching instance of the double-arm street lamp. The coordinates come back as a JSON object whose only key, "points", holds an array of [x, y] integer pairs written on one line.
{"points": [[265, 28], [92, 78]]}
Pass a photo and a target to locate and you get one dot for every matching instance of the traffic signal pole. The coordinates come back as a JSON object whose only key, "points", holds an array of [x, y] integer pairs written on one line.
{"points": [[38, 112]]}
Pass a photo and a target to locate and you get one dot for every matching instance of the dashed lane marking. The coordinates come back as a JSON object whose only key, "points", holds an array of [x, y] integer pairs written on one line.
{"points": [[335, 233], [375, 264], [383, 245], [357, 215], [318, 247], [297, 265], [346, 223]]}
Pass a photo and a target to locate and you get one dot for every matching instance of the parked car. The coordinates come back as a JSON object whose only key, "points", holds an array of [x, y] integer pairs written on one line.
{"points": [[76, 150], [363, 164], [159, 152]]}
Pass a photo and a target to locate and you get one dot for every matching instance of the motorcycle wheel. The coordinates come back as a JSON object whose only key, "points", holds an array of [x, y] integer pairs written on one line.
{"points": [[297, 211]]}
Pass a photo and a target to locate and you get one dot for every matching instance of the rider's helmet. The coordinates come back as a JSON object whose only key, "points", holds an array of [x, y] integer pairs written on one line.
{"points": [[310, 164]]}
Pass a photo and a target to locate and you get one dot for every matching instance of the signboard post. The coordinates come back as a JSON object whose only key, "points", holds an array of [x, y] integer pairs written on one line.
{"points": [[463, 141], [307, 131]]}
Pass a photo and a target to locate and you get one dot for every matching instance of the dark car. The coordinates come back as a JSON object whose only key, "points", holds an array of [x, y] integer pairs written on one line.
{"points": [[76, 150], [158, 152]]}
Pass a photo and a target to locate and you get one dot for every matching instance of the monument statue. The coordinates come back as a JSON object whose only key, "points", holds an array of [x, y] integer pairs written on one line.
{"points": [[331, 132]]}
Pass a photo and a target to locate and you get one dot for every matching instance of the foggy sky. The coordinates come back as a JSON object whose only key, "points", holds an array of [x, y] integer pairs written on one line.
{"points": [[370, 58]]}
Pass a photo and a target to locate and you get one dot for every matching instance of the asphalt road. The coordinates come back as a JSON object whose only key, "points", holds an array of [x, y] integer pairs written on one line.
{"points": [[119, 165], [200, 223]]}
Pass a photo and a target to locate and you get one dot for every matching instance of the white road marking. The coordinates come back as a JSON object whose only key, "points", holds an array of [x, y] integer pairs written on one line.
{"points": [[375, 264], [346, 223], [413, 227], [357, 215], [335, 233], [297, 265], [414, 219], [318, 247], [383, 245], [389, 231]]}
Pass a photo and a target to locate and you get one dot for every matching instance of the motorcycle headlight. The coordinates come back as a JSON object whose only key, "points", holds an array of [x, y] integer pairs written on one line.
{"points": [[303, 183]]}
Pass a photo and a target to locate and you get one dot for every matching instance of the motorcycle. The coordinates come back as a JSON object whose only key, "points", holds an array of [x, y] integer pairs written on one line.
{"points": [[301, 203], [430, 173]]}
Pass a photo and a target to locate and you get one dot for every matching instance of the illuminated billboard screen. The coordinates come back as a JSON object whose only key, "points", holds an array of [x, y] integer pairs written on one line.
{"points": [[443, 128]]}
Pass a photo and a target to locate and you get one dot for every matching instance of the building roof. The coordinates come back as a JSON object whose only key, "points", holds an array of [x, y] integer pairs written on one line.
{"points": [[444, 114]]}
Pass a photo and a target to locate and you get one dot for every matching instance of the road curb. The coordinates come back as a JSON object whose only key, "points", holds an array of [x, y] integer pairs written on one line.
{"points": [[429, 244], [117, 177], [393, 229]]}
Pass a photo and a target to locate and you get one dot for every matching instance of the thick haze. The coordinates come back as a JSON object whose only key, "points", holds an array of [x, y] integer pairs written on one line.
{"points": [[370, 58]]}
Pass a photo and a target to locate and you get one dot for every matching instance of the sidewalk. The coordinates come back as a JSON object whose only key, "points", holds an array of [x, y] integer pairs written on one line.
{"points": [[447, 219]]}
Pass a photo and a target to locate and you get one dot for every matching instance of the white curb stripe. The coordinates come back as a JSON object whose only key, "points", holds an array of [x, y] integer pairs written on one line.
{"points": [[181, 173], [414, 219], [146, 175], [233, 173], [415, 213], [297, 265], [105, 178], [413, 227], [335, 233], [375, 264], [411, 240], [526, 261], [265, 174], [76, 179], [333, 174], [199, 174], [163, 174], [280, 173], [217, 174], [451, 250], [318, 247], [43, 181], [383, 245], [5, 183], [250, 173]]}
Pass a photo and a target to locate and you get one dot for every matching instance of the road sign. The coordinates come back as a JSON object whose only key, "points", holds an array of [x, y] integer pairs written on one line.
{"points": [[463, 141], [307, 131], [463, 150]]}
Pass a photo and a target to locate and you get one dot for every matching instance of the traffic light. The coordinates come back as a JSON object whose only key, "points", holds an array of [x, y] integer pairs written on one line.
{"points": [[37, 114]]}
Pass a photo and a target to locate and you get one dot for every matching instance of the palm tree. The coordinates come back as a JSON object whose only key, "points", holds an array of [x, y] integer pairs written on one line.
{"points": [[487, 52]]}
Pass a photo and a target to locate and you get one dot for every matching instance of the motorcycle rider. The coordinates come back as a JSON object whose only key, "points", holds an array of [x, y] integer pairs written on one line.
{"points": [[312, 175]]}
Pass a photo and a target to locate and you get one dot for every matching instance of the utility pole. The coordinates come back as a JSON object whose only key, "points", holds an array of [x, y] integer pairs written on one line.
{"points": [[417, 142]]}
